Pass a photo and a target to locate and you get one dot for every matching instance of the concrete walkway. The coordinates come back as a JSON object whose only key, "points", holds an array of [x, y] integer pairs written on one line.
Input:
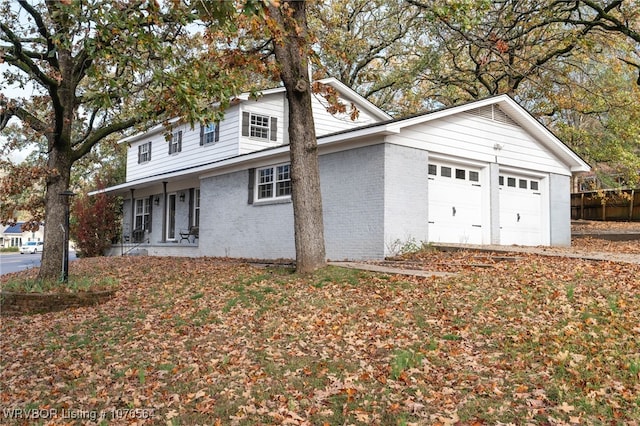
{"points": [[389, 270], [543, 251], [547, 251]]}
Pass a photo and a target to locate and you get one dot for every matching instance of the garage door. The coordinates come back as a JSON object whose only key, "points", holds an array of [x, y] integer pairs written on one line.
{"points": [[455, 204], [520, 210]]}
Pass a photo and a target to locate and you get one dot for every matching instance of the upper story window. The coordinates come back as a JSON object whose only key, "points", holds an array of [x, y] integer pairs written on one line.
{"points": [[259, 126], [175, 144], [209, 133], [273, 182], [144, 152]]}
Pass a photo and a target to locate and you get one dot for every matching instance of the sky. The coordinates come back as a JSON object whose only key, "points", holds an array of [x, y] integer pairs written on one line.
{"points": [[15, 156]]}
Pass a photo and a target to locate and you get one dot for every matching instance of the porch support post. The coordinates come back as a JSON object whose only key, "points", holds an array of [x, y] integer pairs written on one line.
{"points": [[164, 213]]}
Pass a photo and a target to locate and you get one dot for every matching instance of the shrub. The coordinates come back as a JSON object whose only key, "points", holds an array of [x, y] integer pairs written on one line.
{"points": [[94, 223]]}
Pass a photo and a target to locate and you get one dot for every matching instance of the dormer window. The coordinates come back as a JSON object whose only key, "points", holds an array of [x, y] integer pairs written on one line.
{"points": [[259, 126]]}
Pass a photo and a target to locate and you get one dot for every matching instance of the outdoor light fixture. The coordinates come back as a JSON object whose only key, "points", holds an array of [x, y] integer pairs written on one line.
{"points": [[156, 201], [182, 197]]}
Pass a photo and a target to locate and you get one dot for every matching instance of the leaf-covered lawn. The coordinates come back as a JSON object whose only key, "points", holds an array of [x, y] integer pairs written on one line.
{"points": [[523, 339]]}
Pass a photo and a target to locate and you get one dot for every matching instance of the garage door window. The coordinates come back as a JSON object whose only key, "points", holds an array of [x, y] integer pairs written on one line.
{"points": [[533, 185], [460, 174]]}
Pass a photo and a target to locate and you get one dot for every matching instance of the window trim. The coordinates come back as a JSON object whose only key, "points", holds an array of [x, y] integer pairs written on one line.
{"points": [[175, 144], [196, 207], [145, 211], [144, 152], [209, 133], [256, 185], [247, 126]]}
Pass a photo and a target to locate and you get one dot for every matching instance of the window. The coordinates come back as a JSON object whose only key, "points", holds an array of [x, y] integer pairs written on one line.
{"points": [[445, 171], [511, 182], [433, 169], [144, 152], [501, 180], [274, 182], [474, 176], [534, 185], [259, 126], [142, 215], [460, 174], [196, 207], [171, 217], [209, 133], [175, 144], [522, 183]]}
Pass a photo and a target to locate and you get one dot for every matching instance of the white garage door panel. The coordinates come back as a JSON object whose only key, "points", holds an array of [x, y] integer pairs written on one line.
{"points": [[520, 212], [455, 206]]}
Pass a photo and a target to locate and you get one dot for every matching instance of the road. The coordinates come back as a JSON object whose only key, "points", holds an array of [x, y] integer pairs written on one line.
{"points": [[15, 262]]}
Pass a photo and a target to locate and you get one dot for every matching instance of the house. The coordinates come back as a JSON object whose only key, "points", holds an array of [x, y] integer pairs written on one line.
{"points": [[485, 172], [14, 236]]}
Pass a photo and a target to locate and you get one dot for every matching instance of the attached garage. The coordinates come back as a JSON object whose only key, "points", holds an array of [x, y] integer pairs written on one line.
{"points": [[456, 208], [482, 173], [522, 220]]}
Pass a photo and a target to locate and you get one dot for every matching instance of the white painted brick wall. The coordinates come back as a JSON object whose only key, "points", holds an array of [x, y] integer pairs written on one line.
{"points": [[406, 199], [353, 201]]}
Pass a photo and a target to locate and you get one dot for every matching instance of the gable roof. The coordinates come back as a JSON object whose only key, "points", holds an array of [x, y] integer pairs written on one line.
{"points": [[14, 229], [514, 113], [345, 91]]}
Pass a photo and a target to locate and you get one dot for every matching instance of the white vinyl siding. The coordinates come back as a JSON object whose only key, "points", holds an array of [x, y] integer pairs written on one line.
{"points": [[471, 136], [192, 153], [326, 123]]}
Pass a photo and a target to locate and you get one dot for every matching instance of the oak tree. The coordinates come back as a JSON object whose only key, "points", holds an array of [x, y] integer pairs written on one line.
{"points": [[94, 69]]}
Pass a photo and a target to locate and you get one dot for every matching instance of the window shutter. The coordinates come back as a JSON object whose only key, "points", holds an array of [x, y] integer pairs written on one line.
{"points": [[274, 128], [149, 152], [171, 145], [252, 179], [217, 132], [245, 123], [150, 213], [180, 141], [202, 135], [139, 154]]}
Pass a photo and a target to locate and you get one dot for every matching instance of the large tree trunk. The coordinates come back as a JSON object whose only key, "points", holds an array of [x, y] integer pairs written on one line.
{"points": [[290, 53], [59, 168], [57, 182]]}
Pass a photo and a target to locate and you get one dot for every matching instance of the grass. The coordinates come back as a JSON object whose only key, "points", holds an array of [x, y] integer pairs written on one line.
{"points": [[75, 284], [200, 341]]}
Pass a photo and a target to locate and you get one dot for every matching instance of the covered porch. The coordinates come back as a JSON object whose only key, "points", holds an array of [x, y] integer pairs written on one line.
{"points": [[159, 218]]}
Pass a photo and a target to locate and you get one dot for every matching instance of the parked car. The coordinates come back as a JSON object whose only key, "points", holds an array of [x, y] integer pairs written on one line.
{"points": [[32, 247]]}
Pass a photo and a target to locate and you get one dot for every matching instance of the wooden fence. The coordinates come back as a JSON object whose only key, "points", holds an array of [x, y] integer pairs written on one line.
{"points": [[615, 204]]}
